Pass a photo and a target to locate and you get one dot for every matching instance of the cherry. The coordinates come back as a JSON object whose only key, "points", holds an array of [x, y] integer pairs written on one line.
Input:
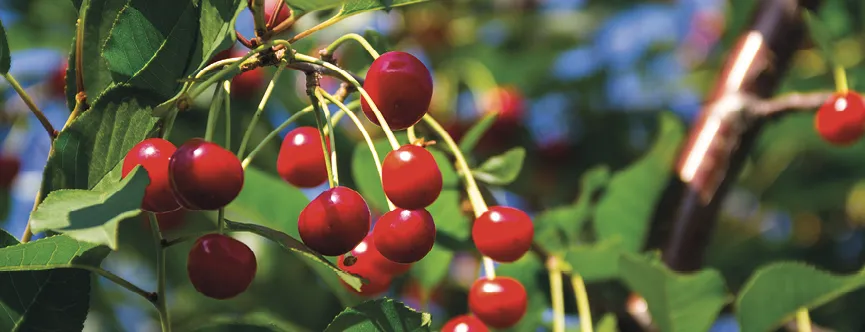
{"points": [[334, 222], [841, 120], [378, 281], [499, 302], [503, 233], [220, 267], [170, 220], [301, 159], [509, 103], [9, 168], [153, 154], [247, 84], [367, 253], [405, 236], [58, 80], [401, 87], [204, 176], [465, 323], [410, 177]]}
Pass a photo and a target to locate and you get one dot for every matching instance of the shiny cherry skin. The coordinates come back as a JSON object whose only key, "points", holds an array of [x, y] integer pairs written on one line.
{"points": [[499, 303], [367, 253], [401, 87], [153, 154], [509, 103], [378, 281], [334, 222], [465, 323], [301, 158], [220, 267], [405, 236], [841, 120], [9, 168], [503, 233], [204, 176], [410, 177]]}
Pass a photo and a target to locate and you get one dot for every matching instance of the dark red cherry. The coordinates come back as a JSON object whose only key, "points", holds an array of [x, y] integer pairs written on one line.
{"points": [[171, 220], [247, 84], [378, 281], [499, 303], [301, 158], [204, 176], [465, 323], [503, 233], [405, 236], [401, 87], [509, 103], [9, 168], [153, 154], [220, 267], [367, 253], [841, 120], [410, 177], [334, 222]]}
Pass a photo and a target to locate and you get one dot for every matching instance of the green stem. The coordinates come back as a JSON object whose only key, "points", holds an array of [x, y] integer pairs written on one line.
{"points": [[369, 143], [335, 119], [556, 292], [32, 105], [213, 116], [220, 221], [254, 121], [233, 64], [412, 136], [803, 320], [117, 280], [316, 103], [583, 308], [328, 131], [164, 318], [347, 76], [226, 86], [840, 80], [352, 36], [336, 18], [270, 136], [258, 17]]}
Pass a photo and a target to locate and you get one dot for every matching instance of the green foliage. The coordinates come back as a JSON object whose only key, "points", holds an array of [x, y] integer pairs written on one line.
{"points": [[627, 206], [92, 215], [353, 7], [677, 302], [43, 286], [820, 34], [561, 226], [501, 169], [433, 268], [596, 262], [5, 59], [775, 292], [378, 41], [97, 141], [384, 315], [471, 138]]}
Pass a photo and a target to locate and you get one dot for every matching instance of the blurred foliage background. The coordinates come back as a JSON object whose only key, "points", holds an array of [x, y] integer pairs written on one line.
{"points": [[593, 76]]}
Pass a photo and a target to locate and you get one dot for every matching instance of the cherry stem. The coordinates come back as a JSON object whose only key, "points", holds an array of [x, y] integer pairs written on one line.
{"points": [[369, 143], [322, 25], [220, 221], [164, 317], [273, 15], [327, 130], [348, 77], [230, 65], [351, 36], [803, 320], [317, 105], [226, 86], [412, 136], [583, 308], [556, 292], [117, 280], [30, 104], [254, 121], [840, 80], [257, 8], [213, 115], [270, 136]]}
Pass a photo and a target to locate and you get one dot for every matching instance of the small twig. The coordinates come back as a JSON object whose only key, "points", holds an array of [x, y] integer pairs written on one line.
{"points": [[31, 105], [257, 8], [274, 14], [788, 102], [79, 62], [243, 40]]}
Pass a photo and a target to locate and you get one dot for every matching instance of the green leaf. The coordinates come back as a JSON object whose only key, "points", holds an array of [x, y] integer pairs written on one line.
{"points": [[5, 59], [99, 139], [627, 207], [558, 227], [775, 292], [352, 7], [289, 243], [378, 41], [42, 290], [216, 29], [432, 269], [476, 132], [385, 315], [99, 17], [596, 262], [92, 215], [312, 5], [608, 323], [677, 302], [820, 34], [253, 322], [502, 169]]}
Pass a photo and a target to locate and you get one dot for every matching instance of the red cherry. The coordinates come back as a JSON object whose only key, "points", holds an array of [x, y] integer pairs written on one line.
{"points": [[333, 223], [410, 177], [170, 220], [503, 233], [58, 80], [367, 253], [465, 323], [509, 103], [222, 55], [841, 120], [204, 176], [270, 7], [301, 159], [9, 167], [499, 303], [405, 236], [220, 267], [401, 87], [153, 154], [247, 84], [378, 281]]}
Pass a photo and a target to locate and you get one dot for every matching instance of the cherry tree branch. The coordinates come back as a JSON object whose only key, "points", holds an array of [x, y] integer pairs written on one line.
{"points": [[805, 101]]}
